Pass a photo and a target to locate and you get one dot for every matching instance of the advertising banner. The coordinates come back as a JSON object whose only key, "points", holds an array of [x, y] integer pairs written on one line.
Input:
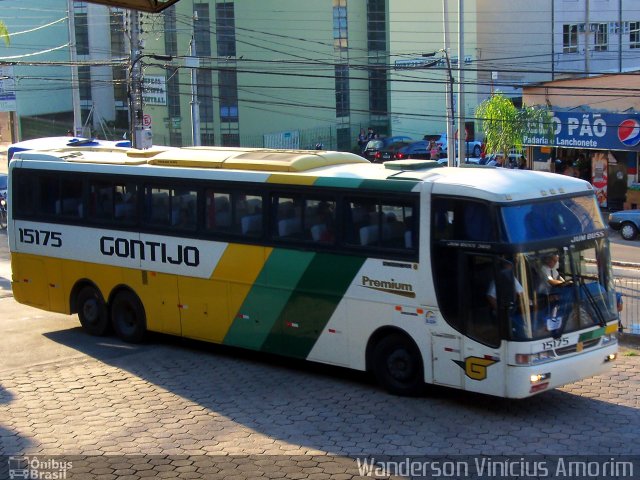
{"points": [[600, 131]]}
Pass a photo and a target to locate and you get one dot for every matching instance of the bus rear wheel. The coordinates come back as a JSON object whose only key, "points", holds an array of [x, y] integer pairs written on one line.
{"points": [[128, 317], [92, 311], [397, 365]]}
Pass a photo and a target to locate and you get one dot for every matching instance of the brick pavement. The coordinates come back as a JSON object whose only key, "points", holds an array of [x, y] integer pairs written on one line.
{"points": [[188, 404]]}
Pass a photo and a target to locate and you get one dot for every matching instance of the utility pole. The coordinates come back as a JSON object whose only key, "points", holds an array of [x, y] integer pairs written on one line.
{"points": [[139, 137], [587, 32], [195, 105], [462, 138], [451, 145], [75, 84]]}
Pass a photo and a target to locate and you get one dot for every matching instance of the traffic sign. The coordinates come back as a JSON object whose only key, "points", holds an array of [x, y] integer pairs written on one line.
{"points": [[146, 120]]}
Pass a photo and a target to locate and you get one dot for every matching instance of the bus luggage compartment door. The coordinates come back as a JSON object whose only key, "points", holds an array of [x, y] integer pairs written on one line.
{"points": [[447, 353]]}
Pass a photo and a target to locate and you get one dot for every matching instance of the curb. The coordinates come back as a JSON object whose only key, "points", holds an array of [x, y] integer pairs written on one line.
{"points": [[616, 263], [629, 340]]}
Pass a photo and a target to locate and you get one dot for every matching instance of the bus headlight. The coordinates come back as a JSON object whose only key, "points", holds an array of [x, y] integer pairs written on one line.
{"points": [[539, 377], [533, 358], [610, 357], [609, 338]]}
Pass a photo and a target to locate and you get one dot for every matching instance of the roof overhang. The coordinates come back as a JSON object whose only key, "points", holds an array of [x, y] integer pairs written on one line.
{"points": [[150, 6]]}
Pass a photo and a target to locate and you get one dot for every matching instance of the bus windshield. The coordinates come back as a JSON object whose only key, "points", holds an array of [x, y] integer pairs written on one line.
{"points": [[553, 218], [546, 293]]}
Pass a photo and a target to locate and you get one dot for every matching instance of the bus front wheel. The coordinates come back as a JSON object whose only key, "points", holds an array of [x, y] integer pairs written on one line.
{"points": [[397, 365], [128, 317], [92, 311]]}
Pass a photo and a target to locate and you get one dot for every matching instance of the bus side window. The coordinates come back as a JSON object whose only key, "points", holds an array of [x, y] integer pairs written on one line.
{"points": [[249, 214], [157, 206], [100, 200], [24, 184], [70, 202], [218, 211], [319, 220], [49, 194], [126, 202]]}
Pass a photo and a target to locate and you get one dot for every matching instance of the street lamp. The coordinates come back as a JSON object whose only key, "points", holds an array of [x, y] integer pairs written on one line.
{"points": [[135, 97], [451, 145]]}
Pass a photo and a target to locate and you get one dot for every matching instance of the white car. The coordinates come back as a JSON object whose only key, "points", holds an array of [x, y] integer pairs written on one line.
{"points": [[474, 148]]}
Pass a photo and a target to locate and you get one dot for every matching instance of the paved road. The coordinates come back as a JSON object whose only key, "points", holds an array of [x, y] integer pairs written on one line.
{"points": [[172, 407]]}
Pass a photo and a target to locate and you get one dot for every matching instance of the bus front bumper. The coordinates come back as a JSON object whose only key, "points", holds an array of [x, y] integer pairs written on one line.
{"points": [[527, 380]]}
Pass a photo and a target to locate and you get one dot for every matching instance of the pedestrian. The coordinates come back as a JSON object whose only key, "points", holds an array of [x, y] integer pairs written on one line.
{"points": [[434, 151], [362, 140], [371, 134]]}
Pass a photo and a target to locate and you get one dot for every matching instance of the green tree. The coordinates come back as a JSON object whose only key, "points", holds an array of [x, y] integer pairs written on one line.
{"points": [[4, 33], [504, 126]]}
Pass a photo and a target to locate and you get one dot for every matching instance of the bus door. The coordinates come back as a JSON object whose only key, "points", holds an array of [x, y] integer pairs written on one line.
{"points": [[446, 349], [481, 361]]}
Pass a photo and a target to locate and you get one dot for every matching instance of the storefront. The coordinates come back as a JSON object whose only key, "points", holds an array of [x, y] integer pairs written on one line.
{"points": [[600, 147]]}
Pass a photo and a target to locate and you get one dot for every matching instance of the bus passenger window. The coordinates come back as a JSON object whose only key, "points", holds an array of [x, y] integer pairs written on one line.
{"points": [[183, 209], [70, 202], [319, 220], [49, 195], [288, 217], [101, 200], [217, 211], [362, 222], [248, 210], [126, 204], [157, 206]]}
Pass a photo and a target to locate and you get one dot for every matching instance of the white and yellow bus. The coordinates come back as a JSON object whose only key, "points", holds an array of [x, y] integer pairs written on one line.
{"points": [[415, 272]]}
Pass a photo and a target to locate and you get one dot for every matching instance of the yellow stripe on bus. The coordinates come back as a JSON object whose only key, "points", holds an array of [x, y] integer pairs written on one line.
{"points": [[291, 179], [226, 291]]}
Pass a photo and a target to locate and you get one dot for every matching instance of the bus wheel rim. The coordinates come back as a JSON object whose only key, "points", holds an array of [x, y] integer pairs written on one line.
{"points": [[399, 364]]}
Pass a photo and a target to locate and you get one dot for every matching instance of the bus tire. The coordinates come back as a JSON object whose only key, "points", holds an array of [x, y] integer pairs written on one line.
{"points": [[92, 311], [128, 317], [397, 365]]}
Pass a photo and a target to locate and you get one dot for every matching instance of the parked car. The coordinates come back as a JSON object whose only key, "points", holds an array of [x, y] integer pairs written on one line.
{"points": [[627, 221], [474, 147], [513, 162], [382, 149], [3, 185], [419, 150]]}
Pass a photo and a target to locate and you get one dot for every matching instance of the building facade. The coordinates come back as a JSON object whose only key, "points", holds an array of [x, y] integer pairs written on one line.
{"points": [[596, 134]]}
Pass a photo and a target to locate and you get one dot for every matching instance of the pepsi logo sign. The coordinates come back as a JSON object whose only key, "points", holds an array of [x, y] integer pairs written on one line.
{"points": [[629, 132]]}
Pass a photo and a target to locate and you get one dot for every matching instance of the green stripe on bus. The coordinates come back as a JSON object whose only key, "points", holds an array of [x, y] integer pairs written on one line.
{"points": [[338, 182], [389, 185], [311, 305], [267, 298], [591, 335]]}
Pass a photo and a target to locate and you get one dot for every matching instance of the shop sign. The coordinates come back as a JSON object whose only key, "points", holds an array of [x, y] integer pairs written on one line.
{"points": [[604, 131]]}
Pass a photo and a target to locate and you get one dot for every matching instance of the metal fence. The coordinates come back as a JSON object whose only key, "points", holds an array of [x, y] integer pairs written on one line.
{"points": [[630, 315]]}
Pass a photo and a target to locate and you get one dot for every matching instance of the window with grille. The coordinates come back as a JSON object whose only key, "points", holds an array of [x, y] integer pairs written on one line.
{"points": [[601, 40], [342, 90], [228, 80], [570, 38], [225, 30], [634, 34], [340, 33]]}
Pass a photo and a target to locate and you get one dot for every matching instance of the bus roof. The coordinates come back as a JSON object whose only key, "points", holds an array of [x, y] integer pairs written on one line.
{"points": [[48, 143], [320, 168]]}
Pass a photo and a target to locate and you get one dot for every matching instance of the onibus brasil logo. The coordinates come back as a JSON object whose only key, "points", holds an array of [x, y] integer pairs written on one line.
{"points": [[38, 468]]}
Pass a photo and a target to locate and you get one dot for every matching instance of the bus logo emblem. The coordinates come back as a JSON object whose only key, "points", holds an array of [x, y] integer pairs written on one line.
{"points": [[393, 287], [476, 367]]}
